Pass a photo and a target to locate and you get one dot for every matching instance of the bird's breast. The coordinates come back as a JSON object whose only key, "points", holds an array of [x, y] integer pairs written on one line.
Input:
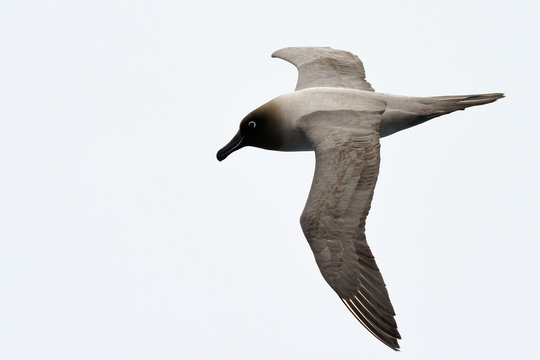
{"points": [[292, 107]]}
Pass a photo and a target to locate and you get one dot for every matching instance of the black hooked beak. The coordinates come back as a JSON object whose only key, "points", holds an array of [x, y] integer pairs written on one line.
{"points": [[236, 143]]}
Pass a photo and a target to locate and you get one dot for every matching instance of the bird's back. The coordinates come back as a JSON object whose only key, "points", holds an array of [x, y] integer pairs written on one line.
{"points": [[400, 112]]}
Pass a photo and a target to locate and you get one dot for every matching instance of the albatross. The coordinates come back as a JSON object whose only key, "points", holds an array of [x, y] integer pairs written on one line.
{"points": [[335, 112]]}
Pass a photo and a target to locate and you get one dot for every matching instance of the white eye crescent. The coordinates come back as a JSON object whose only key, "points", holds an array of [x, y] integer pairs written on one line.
{"points": [[252, 124]]}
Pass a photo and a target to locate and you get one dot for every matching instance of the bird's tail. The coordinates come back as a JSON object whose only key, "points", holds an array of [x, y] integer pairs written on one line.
{"points": [[446, 104], [425, 108]]}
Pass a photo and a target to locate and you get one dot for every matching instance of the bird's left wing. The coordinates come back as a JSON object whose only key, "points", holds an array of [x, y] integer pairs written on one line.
{"points": [[325, 67], [346, 147]]}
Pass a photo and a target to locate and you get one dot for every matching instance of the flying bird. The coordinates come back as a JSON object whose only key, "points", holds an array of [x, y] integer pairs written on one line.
{"points": [[335, 112]]}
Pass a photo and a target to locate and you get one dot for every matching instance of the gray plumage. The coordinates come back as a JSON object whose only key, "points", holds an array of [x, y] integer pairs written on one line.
{"points": [[335, 112], [325, 67]]}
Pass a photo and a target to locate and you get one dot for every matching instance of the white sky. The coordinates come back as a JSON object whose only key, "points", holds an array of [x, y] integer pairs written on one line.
{"points": [[122, 237]]}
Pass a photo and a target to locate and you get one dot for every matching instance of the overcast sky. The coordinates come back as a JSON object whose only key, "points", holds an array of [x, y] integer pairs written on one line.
{"points": [[122, 237]]}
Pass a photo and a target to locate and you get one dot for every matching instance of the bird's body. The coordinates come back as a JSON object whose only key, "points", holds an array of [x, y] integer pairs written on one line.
{"points": [[289, 110], [335, 112], [399, 112]]}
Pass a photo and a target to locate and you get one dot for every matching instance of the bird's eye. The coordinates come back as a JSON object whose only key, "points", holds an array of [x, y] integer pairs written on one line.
{"points": [[252, 124]]}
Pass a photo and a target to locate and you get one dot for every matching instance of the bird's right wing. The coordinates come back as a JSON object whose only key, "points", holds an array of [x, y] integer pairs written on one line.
{"points": [[325, 67], [346, 147]]}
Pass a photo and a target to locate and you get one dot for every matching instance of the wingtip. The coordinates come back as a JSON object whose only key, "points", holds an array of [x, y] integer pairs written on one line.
{"points": [[394, 345], [276, 54], [387, 339], [280, 52]]}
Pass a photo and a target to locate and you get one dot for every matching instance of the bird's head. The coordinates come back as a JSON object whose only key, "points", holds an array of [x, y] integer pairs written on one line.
{"points": [[260, 128]]}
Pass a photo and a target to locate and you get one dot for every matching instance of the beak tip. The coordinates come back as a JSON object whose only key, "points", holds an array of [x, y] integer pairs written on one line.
{"points": [[220, 157], [233, 145]]}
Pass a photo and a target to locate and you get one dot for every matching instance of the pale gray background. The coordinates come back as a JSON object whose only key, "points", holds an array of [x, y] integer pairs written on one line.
{"points": [[122, 237]]}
